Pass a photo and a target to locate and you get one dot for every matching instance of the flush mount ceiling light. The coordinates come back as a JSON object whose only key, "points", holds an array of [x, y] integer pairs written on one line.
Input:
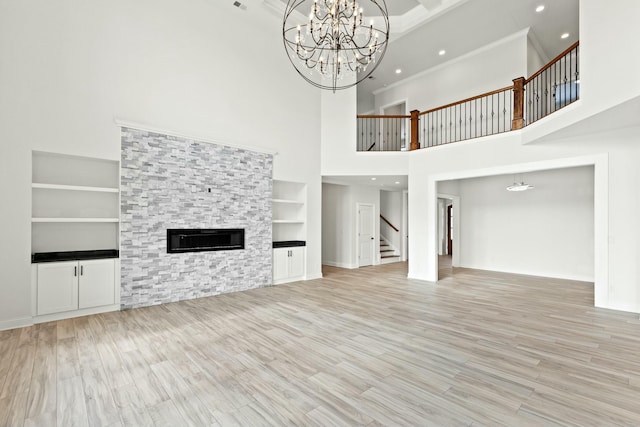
{"points": [[442, 52], [330, 43], [519, 186], [398, 71], [564, 36], [540, 8]]}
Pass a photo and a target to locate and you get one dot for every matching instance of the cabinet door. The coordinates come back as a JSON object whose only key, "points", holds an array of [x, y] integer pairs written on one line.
{"points": [[280, 264], [97, 283], [296, 263], [57, 287]]}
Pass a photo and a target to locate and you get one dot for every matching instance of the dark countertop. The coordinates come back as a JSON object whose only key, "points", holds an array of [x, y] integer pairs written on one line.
{"points": [[289, 244], [73, 255]]}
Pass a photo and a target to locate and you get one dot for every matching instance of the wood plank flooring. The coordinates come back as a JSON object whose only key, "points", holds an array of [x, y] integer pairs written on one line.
{"points": [[363, 347]]}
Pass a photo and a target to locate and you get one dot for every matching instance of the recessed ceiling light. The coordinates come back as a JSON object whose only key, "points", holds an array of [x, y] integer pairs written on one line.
{"points": [[398, 70], [373, 179], [540, 8], [442, 52], [397, 182], [564, 36]]}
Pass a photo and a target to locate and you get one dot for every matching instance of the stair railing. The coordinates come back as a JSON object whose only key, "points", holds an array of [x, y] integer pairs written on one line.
{"points": [[388, 223], [553, 87]]}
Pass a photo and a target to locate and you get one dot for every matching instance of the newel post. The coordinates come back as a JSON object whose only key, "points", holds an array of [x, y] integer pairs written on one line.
{"points": [[518, 103], [415, 136]]}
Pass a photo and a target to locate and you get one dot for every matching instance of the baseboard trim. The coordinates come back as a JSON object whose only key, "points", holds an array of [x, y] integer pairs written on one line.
{"points": [[76, 313], [339, 264], [16, 323], [313, 276]]}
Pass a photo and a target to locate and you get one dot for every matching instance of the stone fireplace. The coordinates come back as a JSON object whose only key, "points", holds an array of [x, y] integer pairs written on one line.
{"points": [[172, 183]]}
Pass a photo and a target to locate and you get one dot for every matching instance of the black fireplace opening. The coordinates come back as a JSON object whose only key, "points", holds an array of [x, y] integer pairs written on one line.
{"points": [[204, 239]]}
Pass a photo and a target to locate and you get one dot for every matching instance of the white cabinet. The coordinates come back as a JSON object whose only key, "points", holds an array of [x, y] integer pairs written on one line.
{"points": [[288, 264], [96, 283], [74, 285], [57, 287]]}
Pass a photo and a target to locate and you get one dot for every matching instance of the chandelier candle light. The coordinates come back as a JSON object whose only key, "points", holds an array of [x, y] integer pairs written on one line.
{"points": [[330, 43]]}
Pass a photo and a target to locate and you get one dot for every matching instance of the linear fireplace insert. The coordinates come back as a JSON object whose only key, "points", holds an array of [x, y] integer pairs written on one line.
{"points": [[204, 239]]}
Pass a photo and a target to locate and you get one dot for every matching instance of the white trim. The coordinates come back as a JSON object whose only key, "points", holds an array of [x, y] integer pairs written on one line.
{"points": [[313, 276], [339, 264], [374, 259], [151, 128], [75, 313], [404, 227], [20, 322], [455, 258], [404, 101]]}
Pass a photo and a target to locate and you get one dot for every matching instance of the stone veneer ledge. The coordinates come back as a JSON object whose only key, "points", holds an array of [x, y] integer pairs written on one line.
{"points": [[165, 183]]}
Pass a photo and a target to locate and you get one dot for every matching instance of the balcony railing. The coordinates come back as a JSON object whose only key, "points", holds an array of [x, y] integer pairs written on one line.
{"points": [[555, 86]]}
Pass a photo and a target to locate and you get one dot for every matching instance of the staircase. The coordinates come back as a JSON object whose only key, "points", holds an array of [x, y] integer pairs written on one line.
{"points": [[388, 253]]}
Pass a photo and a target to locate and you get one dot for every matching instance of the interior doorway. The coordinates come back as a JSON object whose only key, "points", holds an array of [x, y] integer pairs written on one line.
{"points": [[450, 229]]}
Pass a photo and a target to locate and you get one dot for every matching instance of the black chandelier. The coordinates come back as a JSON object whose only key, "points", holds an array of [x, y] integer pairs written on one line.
{"points": [[330, 43]]}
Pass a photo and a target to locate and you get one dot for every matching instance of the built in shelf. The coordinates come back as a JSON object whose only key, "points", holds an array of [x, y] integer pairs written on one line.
{"points": [[73, 188], [288, 221], [75, 220], [286, 201]]}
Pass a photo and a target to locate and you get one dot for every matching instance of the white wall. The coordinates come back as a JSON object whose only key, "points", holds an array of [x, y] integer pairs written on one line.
{"points": [[490, 68], [207, 69], [338, 141], [391, 208], [535, 61], [547, 231], [608, 34], [337, 231]]}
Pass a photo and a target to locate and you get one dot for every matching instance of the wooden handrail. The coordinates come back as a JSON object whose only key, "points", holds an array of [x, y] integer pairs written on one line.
{"points": [[381, 116], [387, 221], [473, 98], [553, 61], [517, 119]]}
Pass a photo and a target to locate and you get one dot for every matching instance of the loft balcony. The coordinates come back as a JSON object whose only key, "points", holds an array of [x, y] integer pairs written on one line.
{"points": [[514, 107]]}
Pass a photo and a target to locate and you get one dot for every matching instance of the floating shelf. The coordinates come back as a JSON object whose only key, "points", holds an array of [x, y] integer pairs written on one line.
{"points": [[73, 188], [288, 221], [285, 201], [75, 220]]}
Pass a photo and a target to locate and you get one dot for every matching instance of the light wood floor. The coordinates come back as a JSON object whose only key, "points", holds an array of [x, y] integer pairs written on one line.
{"points": [[359, 347]]}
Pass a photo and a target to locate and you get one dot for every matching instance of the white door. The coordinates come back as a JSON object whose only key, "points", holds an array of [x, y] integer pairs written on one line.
{"points": [[366, 235], [97, 283], [57, 287]]}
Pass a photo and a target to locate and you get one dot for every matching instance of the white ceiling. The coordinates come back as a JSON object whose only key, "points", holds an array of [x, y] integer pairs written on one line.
{"points": [[461, 26]]}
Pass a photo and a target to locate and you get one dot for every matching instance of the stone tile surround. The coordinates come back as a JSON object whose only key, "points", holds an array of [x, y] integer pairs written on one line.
{"points": [[172, 182]]}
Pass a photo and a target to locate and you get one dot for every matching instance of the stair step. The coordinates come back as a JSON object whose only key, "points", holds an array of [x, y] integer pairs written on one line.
{"points": [[386, 250], [390, 256]]}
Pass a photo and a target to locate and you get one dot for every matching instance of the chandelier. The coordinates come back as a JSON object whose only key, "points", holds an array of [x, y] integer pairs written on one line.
{"points": [[331, 44]]}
